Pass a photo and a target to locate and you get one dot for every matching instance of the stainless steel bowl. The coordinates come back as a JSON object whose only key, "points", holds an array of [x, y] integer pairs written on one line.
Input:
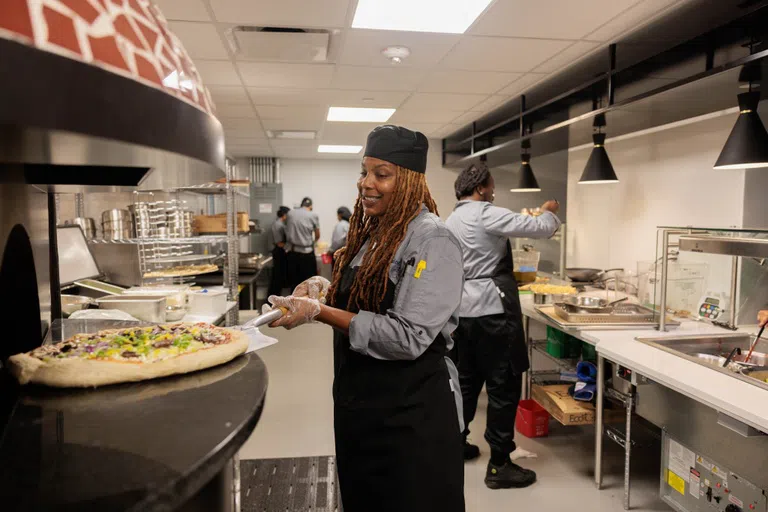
{"points": [[72, 303], [87, 224], [122, 234]]}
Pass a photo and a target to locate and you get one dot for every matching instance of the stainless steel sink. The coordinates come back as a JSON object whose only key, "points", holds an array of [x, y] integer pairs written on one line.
{"points": [[711, 350]]}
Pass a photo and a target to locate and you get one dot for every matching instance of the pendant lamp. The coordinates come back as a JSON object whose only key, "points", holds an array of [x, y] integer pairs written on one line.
{"points": [[599, 168], [527, 181], [747, 145]]}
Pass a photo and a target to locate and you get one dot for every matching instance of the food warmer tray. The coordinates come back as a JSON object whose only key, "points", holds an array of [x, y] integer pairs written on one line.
{"points": [[624, 317]]}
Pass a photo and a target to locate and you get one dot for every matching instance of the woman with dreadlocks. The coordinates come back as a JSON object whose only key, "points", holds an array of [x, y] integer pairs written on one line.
{"points": [[489, 340], [393, 304]]}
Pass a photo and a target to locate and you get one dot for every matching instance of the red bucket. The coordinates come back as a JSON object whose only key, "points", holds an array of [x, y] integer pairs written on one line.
{"points": [[326, 258], [532, 419]]}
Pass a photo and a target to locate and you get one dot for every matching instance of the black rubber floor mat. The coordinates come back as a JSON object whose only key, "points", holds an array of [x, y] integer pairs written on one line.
{"points": [[289, 485]]}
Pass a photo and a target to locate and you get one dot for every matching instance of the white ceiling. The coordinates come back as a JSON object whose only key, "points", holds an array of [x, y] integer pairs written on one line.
{"points": [[448, 81]]}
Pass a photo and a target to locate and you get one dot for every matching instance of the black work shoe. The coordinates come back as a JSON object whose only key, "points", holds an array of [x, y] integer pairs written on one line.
{"points": [[508, 476], [470, 451]]}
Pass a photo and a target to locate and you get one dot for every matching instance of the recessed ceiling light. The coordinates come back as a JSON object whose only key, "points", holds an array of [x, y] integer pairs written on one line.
{"points": [[445, 16], [336, 148], [291, 134], [360, 115]]}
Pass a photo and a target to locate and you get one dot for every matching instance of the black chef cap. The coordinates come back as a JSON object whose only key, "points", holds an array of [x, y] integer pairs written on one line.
{"points": [[399, 146]]}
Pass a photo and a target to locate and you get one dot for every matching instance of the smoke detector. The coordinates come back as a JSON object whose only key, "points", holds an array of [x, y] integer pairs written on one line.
{"points": [[396, 54]]}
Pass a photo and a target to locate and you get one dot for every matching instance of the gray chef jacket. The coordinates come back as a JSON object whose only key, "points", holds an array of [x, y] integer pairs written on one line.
{"points": [[339, 238], [426, 301], [482, 230], [277, 232], [300, 230]]}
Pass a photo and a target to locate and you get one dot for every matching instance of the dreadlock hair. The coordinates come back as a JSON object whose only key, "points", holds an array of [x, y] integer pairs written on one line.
{"points": [[469, 179], [385, 234]]}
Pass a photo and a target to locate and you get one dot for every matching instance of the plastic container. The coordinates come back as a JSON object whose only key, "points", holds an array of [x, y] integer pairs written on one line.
{"points": [[208, 302], [588, 352], [532, 419], [562, 345], [685, 284], [526, 264]]}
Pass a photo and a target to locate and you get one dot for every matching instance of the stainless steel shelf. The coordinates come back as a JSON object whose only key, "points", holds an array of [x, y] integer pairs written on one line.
{"points": [[565, 364], [182, 258], [214, 188], [203, 239], [731, 246]]}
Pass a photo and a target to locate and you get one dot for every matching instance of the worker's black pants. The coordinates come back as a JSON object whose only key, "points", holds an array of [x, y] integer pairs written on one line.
{"points": [[484, 357], [301, 267]]}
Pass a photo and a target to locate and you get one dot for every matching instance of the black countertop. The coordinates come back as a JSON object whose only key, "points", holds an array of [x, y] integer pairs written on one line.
{"points": [[145, 446]]}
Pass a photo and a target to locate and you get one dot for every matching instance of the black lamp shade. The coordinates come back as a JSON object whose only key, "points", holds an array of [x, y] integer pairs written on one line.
{"points": [[527, 181], [599, 168], [747, 145]]}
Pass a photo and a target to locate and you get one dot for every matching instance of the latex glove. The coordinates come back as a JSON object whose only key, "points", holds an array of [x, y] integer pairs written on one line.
{"points": [[301, 310], [314, 288], [762, 317]]}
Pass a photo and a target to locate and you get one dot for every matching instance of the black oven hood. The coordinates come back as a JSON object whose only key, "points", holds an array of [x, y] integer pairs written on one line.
{"points": [[63, 121]]}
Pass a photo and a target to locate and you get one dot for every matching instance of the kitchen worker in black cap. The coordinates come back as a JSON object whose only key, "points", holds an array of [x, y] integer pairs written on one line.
{"points": [[302, 230], [393, 304], [276, 238]]}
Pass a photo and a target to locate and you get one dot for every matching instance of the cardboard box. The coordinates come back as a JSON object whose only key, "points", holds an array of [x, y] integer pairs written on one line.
{"points": [[218, 223], [562, 407], [556, 400]]}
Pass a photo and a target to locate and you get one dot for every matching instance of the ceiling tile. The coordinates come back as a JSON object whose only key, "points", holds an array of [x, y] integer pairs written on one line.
{"points": [[228, 95], [242, 125], [428, 129], [282, 13], [363, 47], [567, 57], [270, 74], [201, 40], [316, 114], [521, 85], [217, 72], [501, 54], [405, 117], [292, 124], [479, 82], [467, 118], [441, 100], [189, 10], [631, 19], [377, 79], [234, 111], [346, 133], [327, 97], [233, 140], [555, 19], [245, 152], [491, 103]]}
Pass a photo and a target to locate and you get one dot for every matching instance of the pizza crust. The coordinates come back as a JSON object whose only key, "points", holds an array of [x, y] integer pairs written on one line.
{"points": [[74, 373]]}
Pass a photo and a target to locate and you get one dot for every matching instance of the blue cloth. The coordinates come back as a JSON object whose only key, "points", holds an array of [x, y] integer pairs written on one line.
{"points": [[584, 392], [587, 372]]}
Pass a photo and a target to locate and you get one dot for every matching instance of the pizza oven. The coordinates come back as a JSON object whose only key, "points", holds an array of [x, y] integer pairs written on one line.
{"points": [[89, 108]]}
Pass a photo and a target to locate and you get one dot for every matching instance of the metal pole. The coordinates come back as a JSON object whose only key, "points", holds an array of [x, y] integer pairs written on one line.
{"points": [[233, 248], [664, 275], [599, 422], [563, 249], [79, 205], [236, 482], [628, 446], [529, 344], [734, 289]]}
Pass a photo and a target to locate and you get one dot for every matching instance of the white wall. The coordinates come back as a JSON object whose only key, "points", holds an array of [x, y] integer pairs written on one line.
{"points": [[666, 178], [330, 184]]}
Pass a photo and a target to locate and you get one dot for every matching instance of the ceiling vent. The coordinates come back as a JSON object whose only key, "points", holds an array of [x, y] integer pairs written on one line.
{"points": [[280, 44]]}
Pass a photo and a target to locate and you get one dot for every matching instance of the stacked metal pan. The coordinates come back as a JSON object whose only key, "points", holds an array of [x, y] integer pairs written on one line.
{"points": [[117, 224]]}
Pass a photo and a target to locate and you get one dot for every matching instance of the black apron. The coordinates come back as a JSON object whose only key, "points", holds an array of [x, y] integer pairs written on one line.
{"points": [[512, 326], [398, 444]]}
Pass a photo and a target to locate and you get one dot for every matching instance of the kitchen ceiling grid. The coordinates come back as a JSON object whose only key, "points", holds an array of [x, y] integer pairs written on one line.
{"points": [[448, 81]]}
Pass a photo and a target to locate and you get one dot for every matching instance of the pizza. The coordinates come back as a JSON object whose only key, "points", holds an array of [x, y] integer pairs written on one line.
{"points": [[128, 355], [183, 270]]}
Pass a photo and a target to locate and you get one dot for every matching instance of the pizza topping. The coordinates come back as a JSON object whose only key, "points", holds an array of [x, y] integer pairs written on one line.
{"points": [[162, 343], [129, 353]]}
